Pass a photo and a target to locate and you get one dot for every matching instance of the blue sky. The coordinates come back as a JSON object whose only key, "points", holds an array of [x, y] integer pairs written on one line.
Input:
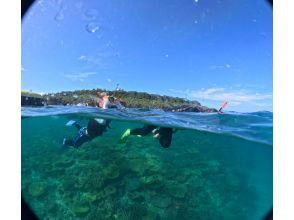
{"points": [[197, 49]]}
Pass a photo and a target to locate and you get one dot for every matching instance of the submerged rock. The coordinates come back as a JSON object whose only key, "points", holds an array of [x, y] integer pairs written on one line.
{"points": [[80, 208], [151, 215], [109, 190], [63, 162], [132, 184], [137, 165], [111, 172], [137, 197], [177, 190], [96, 181], [153, 179], [36, 189], [89, 197], [213, 165], [232, 180], [161, 201], [153, 164]]}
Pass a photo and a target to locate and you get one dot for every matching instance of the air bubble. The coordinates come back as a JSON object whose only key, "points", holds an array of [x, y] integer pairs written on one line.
{"points": [[92, 27], [59, 16]]}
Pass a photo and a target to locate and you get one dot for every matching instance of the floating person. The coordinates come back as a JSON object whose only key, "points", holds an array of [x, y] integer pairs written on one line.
{"points": [[163, 134], [95, 128]]}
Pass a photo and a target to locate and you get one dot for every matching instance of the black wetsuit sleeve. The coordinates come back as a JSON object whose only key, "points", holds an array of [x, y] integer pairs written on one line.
{"points": [[145, 130]]}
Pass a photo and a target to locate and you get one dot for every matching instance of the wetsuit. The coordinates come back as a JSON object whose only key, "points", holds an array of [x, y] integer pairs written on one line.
{"points": [[88, 133], [145, 130], [79, 139], [165, 134]]}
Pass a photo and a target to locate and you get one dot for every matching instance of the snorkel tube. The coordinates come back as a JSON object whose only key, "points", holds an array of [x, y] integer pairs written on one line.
{"points": [[222, 107]]}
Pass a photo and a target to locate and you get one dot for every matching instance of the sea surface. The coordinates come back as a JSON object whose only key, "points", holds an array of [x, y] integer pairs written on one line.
{"points": [[219, 166]]}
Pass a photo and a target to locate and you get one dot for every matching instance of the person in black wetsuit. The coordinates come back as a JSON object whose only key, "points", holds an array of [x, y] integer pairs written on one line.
{"points": [[95, 128], [163, 134]]}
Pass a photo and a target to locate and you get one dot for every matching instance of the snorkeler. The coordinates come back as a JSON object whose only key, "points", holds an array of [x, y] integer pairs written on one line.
{"points": [[105, 101], [163, 134], [95, 128]]}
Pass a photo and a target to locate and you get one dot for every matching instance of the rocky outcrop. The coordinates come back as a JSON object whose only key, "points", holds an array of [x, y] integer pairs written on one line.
{"points": [[32, 101], [190, 108]]}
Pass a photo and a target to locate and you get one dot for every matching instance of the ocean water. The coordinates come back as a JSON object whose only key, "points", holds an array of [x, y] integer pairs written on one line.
{"points": [[219, 166]]}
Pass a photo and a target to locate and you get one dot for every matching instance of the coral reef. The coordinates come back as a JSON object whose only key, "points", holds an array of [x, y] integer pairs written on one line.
{"points": [[138, 180]]}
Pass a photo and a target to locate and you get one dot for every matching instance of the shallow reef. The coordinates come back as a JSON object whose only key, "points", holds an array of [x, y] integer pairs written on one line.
{"points": [[135, 180]]}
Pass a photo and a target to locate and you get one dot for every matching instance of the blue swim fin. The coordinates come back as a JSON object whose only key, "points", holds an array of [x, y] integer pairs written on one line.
{"points": [[70, 123]]}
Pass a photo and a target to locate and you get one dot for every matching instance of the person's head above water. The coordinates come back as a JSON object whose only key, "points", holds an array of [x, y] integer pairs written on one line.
{"points": [[102, 95], [102, 99]]}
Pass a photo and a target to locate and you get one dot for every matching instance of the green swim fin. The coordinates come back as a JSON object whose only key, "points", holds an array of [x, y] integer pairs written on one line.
{"points": [[125, 136]]}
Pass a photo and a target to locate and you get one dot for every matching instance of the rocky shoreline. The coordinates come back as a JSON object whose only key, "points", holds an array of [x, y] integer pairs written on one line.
{"points": [[129, 99]]}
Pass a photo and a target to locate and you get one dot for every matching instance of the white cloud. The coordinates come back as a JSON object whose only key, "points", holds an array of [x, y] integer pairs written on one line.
{"points": [[238, 98], [99, 57], [226, 66], [109, 80], [91, 59], [79, 76], [82, 57]]}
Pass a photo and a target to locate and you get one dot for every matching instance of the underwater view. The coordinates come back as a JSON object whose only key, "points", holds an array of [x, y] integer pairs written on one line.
{"points": [[217, 166]]}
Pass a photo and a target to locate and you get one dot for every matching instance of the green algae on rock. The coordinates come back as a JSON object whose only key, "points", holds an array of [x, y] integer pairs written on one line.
{"points": [[36, 189], [137, 165], [161, 201], [109, 190], [177, 190], [89, 197], [80, 208], [152, 179], [111, 171], [63, 161], [153, 163], [132, 184]]}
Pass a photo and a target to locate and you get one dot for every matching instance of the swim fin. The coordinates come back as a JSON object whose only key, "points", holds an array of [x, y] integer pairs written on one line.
{"points": [[125, 136], [70, 123], [100, 121]]}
